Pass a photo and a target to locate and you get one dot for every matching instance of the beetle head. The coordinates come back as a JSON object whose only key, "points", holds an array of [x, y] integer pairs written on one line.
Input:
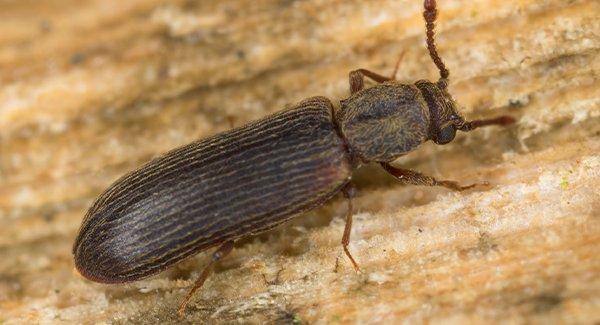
{"points": [[445, 118]]}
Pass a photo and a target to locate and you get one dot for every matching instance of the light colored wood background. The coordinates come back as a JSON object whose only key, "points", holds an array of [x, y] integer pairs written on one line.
{"points": [[92, 89]]}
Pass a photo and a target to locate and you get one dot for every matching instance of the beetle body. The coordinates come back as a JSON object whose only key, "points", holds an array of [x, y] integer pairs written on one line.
{"points": [[246, 180], [231, 185], [253, 178]]}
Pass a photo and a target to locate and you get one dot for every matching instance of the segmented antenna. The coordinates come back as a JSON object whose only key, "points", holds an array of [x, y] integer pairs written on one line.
{"points": [[430, 14]]}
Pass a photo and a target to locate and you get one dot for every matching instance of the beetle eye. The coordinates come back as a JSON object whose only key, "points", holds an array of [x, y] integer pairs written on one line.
{"points": [[446, 135]]}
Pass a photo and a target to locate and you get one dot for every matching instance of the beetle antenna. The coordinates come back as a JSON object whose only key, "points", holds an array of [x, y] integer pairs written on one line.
{"points": [[430, 14], [504, 120]]}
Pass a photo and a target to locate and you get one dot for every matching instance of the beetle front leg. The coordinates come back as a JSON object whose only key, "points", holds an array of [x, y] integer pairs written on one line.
{"points": [[407, 176], [220, 253], [357, 79], [349, 192]]}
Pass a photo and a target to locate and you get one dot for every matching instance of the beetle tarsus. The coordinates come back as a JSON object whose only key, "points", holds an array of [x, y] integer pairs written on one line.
{"points": [[349, 194], [220, 253], [455, 186], [411, 177]]}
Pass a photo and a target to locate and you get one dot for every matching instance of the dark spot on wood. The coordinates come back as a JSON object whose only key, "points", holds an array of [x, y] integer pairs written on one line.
{"points": [[545, 302], [241, 54], [10, 287], [48, 215], [45, 26], [486, 243], [77, 58], [276, 279]]}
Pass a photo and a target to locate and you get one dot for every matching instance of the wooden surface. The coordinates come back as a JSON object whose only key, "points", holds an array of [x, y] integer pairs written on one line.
{"points": [[92, 89]]}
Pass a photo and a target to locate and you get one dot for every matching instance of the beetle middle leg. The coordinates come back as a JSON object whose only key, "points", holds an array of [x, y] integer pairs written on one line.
{"points": [[220, 253], [349, 192], [407, 176]]}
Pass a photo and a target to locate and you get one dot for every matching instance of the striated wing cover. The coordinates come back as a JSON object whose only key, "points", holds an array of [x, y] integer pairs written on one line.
{"points": [[233, 184]]}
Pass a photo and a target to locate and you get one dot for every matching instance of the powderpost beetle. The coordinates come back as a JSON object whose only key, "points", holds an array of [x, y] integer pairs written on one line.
{"points": [[255, 177]]}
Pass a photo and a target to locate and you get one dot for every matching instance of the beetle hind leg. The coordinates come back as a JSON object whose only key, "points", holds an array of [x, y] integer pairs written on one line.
{"points": [[349, 194], [220, 253]]}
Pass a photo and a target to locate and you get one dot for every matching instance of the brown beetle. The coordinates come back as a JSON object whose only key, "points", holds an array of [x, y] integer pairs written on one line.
{"points": [[253, 178]]}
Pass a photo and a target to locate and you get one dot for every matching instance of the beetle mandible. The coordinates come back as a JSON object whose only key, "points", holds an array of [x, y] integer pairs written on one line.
{"points": [[255, 177]]}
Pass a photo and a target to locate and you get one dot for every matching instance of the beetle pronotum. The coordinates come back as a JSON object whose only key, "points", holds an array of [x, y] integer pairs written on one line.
{"points": [[252, 178]]}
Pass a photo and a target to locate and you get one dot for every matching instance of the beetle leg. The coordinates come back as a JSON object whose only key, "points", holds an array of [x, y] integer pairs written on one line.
{"points": [[357, 79], [230, 121], [407, 176], [500, 120], [397, 66], [348, 191], [221, 252]]}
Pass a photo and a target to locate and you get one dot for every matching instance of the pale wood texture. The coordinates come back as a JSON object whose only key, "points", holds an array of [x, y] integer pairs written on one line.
{"points": [[91, 89]]}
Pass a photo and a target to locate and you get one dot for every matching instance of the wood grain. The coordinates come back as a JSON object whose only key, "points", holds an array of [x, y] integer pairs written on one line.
{"points": [[92, 89]]}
